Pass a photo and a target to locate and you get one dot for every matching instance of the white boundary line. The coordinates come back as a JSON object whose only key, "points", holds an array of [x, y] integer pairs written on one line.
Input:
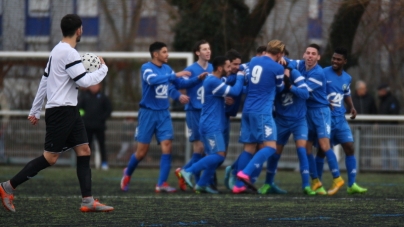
{"points": [[211, 197]]}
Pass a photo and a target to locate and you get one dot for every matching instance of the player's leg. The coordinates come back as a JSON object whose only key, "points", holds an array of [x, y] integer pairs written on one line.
{"points": [[215, 149], [272, 165], [250, 144], [88, 203], [143, 135], [30, 170], [266, 132], [165, 166], [283, 133], [164, 133], [77, 140], [311, 140], [320, 162], [300, 130], [100, 134], [338, 182], [192, 121]]}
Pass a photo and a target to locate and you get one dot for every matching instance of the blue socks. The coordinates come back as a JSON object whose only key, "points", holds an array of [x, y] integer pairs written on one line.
{"points": [[320, 166], [259, 158], [350, 163], [304, 166], [211, 163], [242, 162], [165, 166], [195, 158], [332, 163], [312, 166], [132, 165], [207, 162], [272, 165]]}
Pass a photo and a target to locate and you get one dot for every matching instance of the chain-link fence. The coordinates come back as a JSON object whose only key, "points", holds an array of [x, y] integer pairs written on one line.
{"points": [[378, 147]]}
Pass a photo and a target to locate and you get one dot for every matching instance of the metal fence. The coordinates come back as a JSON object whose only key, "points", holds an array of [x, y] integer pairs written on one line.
{"points": [[378, 147]]}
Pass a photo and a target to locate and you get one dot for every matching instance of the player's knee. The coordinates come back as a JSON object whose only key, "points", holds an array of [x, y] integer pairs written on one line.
{"points": [[349, 149], [51, 158]]}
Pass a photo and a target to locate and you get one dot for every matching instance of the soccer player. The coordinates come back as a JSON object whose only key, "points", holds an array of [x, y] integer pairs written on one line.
{"points": [[265, 78], [154, 116], [211, 124], [232, 102], [193, 108], [261, 50], [318, 118], [338, 83], [290, 109], [64, 127]]}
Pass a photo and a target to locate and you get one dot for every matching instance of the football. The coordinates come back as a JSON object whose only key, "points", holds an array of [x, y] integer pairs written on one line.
{"points": [[91, 62]]}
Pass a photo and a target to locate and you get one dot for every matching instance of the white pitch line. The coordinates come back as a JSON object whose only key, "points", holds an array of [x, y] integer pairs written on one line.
{"points": [[211, 197]]}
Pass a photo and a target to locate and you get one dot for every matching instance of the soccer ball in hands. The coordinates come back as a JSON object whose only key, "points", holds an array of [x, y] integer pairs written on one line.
{"points": [[91, 62]]}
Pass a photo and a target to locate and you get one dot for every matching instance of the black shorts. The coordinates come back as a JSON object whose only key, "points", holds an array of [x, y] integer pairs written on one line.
{"points": [[64, 129]]}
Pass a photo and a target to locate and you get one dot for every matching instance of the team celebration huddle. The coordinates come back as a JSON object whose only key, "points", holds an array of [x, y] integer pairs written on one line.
{"points": [[279, 96], [282, 97]]}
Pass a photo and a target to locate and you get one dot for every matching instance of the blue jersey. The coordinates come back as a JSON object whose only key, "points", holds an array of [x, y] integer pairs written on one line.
{"points": [[195, 92], [291, 104], [231, 110], [265, 78], [213, 110], [337, 90], [316, 83], [156, 81]]}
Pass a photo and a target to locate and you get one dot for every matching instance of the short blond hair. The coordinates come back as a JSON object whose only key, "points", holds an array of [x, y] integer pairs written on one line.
{"points": [[275, 47]]}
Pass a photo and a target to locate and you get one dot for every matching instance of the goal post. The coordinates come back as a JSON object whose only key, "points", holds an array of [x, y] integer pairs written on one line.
{"points": [[115, 55]]}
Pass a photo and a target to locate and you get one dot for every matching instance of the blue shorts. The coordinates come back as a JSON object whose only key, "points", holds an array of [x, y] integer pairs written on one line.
{"points": [[226, 131], [257, 128], [287, 127], [340, 131], [151, 122], [213, 142], [319, 122], [192, 120]]}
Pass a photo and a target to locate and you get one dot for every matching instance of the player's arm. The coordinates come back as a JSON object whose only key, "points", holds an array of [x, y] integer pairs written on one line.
{"points": [[280, 85], [221, 89], [299, 86], [176, 95], [78, 73], [348, 101], [314, 82], [186, 82], [35, 112]]}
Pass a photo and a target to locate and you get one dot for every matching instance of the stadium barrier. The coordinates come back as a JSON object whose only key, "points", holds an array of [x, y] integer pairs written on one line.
{"points": [[378, 147]]}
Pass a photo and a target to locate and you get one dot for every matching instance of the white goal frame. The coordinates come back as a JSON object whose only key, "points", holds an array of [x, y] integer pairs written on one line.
{"points": [[188, 56]]}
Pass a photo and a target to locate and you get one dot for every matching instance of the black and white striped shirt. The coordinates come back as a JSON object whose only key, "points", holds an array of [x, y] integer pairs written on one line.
{"points": [[63, 73]]}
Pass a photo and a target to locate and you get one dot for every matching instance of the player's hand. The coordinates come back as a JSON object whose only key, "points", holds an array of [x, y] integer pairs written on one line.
{"points": [[353, 113], [182, 74], [33, 119], [183, 99], [287, 72], [101, 60], [229, 101], [282, 61], [202, 76], [286, 81]]}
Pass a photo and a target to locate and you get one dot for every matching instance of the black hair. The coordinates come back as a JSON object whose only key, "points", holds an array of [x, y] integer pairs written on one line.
{"points": [[219, 61], [155, 47], [342, 51], [261, 49], [69, 24], [232, 55], [315, 46]]}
